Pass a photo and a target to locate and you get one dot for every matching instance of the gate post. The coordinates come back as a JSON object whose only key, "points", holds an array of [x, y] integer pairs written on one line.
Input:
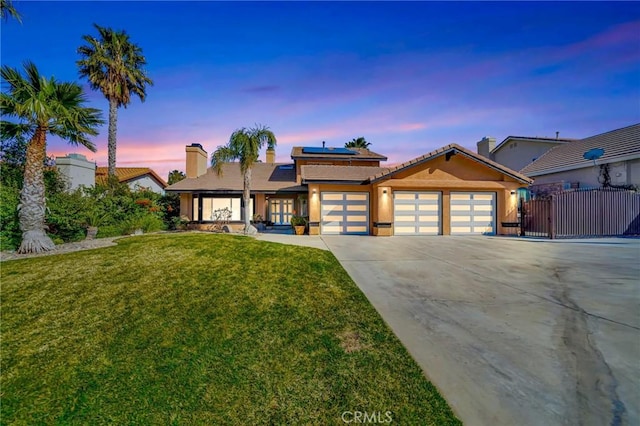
{"points": [[522, 216], [552, 217]]}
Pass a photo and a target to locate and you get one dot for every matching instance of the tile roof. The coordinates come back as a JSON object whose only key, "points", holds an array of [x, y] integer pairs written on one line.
{"points": [[126, 174], [357, 174], [451, 148], [530, 138], [264, 178], [618, 145], [362, 154]]}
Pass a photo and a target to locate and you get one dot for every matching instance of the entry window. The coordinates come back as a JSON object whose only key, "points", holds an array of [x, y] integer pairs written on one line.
{"points": [[280, 210], [211, 204]]}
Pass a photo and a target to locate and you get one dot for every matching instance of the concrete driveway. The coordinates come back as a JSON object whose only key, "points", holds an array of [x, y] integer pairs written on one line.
{"points": [[512, 332]]}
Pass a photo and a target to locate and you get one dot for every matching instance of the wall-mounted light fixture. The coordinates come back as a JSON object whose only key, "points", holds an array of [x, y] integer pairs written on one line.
{"points": [[384, 191], [513, 192], [314, 191]]}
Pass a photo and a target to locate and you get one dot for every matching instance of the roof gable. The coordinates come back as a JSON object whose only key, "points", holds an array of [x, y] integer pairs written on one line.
{"points": [[544, 141], [618, 145], [447, 152], [126, 174]]}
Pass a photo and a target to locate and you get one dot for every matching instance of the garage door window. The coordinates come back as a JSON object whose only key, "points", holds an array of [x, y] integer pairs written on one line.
{"points": [[345, 213], [416, 213], [473, 213]]}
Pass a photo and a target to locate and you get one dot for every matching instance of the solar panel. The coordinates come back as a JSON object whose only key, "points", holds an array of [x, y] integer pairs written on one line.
{"points": [[327, 150]]}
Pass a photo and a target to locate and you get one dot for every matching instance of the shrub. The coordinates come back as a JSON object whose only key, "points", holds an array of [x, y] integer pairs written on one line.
{"points": [[10, 235], [66, 215]]}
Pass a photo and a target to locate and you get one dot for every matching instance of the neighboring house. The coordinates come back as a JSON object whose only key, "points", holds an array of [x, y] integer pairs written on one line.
{"points": [[516, 152], [346, 191], [135, 177], [565, 166], [77, 171]]}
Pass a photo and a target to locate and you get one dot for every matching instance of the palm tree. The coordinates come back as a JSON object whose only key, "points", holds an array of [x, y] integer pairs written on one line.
{"points": [[7, 9], [244, 146], [360, 142], [114, 65], [42, 106]]}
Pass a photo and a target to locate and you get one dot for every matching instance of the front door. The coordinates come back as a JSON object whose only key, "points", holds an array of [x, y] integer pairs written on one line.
{"points": [[280, 211]]}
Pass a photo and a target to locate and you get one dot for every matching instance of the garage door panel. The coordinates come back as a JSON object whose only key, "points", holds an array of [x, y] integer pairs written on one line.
{"points": [[344, 213], [473, 213], [416, 213]]}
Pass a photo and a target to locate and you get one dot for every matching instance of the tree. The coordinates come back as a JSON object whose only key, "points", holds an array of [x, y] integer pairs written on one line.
{"points": [[7, 10], [244, 146], [175, 176], [360, 142], [42, 106], [114, 65]]}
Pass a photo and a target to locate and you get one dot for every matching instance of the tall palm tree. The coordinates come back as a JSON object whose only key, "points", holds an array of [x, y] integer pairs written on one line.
{"points": [[360, 142], [7, 10], [114, 65], [41, 106], [244, 146]]}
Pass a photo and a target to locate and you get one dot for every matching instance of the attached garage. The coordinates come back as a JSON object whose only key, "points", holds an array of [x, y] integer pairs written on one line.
{"points": [[416, 213], [344, 213], [473, 213]]}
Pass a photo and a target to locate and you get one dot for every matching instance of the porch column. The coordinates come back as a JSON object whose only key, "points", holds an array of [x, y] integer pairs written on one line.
{"points": [[314, 209], [383, 215]]}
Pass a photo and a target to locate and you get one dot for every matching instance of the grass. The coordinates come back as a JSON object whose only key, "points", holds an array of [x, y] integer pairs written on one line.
{"points": [[199, 329]]}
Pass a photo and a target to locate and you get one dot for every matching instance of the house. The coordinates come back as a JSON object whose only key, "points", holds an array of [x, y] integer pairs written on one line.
{"points": [[516, 152], [135, 177], [574, 165], [451, 190], [77, 171]]}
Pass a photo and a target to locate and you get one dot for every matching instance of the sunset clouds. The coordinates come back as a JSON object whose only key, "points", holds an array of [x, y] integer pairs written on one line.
{"points": [[409, 77]]}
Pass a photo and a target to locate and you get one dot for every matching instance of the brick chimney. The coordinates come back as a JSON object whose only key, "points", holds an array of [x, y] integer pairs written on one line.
{"points": [[271, 155], [485, 146], [196, 160]]}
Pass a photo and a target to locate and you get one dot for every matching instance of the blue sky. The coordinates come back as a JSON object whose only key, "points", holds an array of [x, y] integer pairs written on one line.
{"points": [[409, 76]]}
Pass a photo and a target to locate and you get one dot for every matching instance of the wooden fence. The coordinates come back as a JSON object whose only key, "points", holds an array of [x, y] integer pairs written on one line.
{"points": [[582, 213]]}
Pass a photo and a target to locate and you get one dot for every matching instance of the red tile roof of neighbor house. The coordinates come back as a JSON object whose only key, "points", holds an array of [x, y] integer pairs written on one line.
{"points": [[126, 174], [618, 145], [361, 154], [326, 173], [264, 178], [443, 151]]}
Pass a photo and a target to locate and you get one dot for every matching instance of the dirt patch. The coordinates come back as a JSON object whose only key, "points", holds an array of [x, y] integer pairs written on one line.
{"points": [[351, 341]]}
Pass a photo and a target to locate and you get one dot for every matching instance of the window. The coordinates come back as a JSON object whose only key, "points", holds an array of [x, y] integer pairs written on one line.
{"points": [[210, 204]]}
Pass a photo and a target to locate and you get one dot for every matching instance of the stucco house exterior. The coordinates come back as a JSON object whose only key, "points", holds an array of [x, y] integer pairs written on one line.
{"points": [[450, 191], [565, 166], [516, 152], [76, 170]]}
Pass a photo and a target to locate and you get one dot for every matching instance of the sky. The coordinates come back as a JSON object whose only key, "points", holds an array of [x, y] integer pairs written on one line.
{"points": [[408, 76]]}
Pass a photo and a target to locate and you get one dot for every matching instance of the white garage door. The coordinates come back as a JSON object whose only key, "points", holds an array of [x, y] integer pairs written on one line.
{"points": [[473, 213], [416, 213], [344, 213]]}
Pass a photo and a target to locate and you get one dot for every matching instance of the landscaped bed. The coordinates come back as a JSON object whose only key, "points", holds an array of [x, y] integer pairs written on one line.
{"points": [[200, 329]]}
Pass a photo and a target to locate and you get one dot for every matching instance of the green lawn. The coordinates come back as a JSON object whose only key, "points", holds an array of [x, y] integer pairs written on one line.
{"points": [[199, 329]]}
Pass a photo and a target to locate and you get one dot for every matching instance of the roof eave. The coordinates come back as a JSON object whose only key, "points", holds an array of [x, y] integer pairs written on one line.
{"points": [[583, 165], [457, 150]]}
